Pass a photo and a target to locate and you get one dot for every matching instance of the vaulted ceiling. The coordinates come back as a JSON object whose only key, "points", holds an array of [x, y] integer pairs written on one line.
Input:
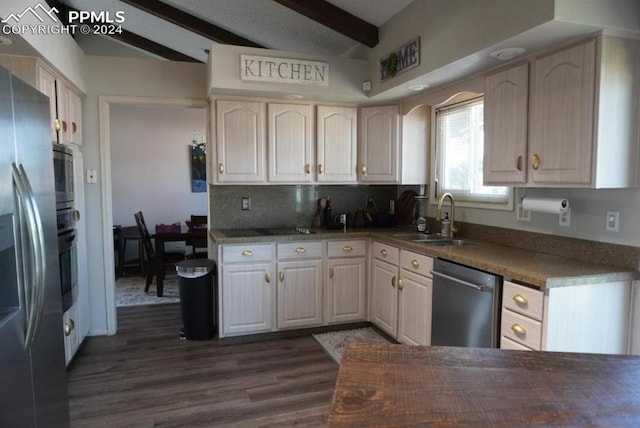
{"points": [[184, 30]]}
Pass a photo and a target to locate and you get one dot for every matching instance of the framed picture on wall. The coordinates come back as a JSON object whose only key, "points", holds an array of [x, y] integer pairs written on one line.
{"points": [[198, 169]]}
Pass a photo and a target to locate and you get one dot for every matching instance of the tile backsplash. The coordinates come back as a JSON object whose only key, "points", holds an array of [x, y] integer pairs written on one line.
{"points": [[295, 205]]}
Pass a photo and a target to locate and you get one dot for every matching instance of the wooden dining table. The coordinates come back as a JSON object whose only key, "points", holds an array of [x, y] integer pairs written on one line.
{"points": [[160, 239]]}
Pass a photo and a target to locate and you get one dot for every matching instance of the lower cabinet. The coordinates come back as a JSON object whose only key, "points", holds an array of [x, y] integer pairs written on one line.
{"points": [[345, 281], [72, 328], [299, 284], [401, 294], [247, 289]]}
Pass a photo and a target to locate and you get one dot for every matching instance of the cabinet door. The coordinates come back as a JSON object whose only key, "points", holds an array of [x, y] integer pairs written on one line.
{"points": [[505, 126], [414, 309], [240, 146], [384, 299], [562, 116], [290, 144], [299, 293], [345, 290], [247, 298], [47, 85], [75, 118], [379, 142], [336, 144]]}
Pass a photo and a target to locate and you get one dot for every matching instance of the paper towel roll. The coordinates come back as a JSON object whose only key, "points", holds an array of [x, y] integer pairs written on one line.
{"points": [[545, 205]]}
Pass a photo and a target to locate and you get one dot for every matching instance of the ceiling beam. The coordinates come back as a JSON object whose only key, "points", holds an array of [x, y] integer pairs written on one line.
{"points": [[335, 18], [152, 47], [190, 22]]}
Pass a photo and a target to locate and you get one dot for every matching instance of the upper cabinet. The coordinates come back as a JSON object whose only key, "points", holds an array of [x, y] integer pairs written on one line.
{"points": [[582, 127], [290, 144], [336, 144], [240, 142], [378, 145], [64, 100]]}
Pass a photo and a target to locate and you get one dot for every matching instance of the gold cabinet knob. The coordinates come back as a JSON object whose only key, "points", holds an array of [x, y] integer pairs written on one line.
{"points": [[518, 329], [74, 128], [221, 168], [347, 248], [415, 263], [331, 272], [383, 252], [64, 126], [300, 250], [519, 163], [68, 327], [267, 277], [320, 169], [307, 169], [363, 169], [535, 161], [281, 276], [247, 253], [56, 124], [393, 281], [400, 284], [520, 300]]}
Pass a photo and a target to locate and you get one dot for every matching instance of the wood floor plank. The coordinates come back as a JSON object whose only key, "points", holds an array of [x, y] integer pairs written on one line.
{"points": [[145, 376]]}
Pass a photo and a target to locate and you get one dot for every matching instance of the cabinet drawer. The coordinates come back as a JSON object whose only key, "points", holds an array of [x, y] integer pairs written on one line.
{"points": [[422, 265], [523, 300], [247, 253], [521, 329], [299, 250], [346, 248], [386, 252], [506, 343]]}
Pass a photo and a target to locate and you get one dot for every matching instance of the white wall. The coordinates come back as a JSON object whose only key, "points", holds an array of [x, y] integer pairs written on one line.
{"points": [[150, 167]]}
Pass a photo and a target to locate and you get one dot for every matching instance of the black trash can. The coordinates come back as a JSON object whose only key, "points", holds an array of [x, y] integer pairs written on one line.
{"points": [[196, 283]]}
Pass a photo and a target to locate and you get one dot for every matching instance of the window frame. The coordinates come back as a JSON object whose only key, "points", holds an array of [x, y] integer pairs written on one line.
{"points": [[458, 98]]}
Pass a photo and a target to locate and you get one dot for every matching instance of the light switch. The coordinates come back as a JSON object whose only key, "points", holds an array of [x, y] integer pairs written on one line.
{"points": [[613, 221], [245, 204]]}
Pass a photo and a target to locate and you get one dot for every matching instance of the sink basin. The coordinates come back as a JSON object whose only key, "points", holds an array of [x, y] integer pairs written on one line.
{"points": [[416, 236], [441, 242]]}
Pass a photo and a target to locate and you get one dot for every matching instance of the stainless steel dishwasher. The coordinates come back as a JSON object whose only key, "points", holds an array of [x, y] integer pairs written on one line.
{"points": [[466, 306]]}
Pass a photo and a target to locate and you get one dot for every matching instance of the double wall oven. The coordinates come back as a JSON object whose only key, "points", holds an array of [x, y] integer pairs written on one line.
{"points": [[67, 216]]}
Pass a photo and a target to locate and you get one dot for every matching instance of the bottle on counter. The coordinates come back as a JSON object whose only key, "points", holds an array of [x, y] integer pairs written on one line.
{"points": [[445, 229], [421, 224], [328, 216]]}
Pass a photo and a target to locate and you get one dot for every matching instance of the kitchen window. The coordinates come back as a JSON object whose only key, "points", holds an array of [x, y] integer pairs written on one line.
{"points": [[459, 146]]}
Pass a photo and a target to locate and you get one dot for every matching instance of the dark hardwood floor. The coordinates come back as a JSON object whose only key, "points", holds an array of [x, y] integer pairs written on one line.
{"points": [[145, 376]]}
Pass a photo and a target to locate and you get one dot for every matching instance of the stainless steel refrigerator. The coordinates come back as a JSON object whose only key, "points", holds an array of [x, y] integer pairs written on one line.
{"points": [[33, 391]]}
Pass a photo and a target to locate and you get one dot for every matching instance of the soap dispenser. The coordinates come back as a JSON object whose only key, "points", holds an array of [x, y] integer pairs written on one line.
{"points": [[446, 226]]}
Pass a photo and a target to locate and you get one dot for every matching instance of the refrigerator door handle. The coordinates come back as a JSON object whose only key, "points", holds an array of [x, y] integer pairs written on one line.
{"points": [[35, 296]]}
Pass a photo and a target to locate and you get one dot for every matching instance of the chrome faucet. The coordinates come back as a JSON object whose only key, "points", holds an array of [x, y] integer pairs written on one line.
{"points": [[453, 212]]}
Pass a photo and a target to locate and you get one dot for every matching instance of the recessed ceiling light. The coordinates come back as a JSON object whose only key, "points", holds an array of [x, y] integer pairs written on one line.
{"points": [[292, 97], [5, 41], [417, 88], [506, 53]]}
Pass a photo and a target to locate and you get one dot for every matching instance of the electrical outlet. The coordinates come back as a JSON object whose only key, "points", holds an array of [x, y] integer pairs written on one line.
{"points": [[522, 214], [613, 221], [92, 176], [565, 218], [245, 204]]}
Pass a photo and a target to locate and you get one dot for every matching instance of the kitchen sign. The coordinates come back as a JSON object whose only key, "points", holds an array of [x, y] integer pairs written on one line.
{"points": [[402, 59], [284, 70]]}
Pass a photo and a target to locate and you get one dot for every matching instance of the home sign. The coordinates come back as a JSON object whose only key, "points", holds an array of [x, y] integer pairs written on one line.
{"points": [[402, 59], [284, 70]]}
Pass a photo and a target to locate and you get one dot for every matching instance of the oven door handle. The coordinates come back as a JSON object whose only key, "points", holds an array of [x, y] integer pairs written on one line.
{"points": [[480, 288], [35, 296]]}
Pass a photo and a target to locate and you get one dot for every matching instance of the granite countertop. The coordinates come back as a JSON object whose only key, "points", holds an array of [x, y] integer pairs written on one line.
{"points": [[534, 268], [401, 385]]}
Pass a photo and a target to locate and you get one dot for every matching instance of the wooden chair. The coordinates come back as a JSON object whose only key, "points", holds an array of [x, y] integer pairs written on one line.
{"points": [[198, 228], [170, 257]]}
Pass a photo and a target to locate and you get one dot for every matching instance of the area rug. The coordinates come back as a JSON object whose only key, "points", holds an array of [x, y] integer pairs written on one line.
{"points": [[334, 342], [130, 291]]}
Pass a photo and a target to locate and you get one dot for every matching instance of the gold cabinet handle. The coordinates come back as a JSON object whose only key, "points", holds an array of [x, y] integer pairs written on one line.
{"points": [[415, 263], [320, 169], [400, 284], [330, 272], [347, 248], [363, 169], [267, 277], [307, 169], [56, 124], [519, 163], [74, 127], [281, 276], [247, 253], [68, 327], [520, 300], [535, 161], [393, 281], [518, 329], [300, 250], [383, 252], [221, 168]]}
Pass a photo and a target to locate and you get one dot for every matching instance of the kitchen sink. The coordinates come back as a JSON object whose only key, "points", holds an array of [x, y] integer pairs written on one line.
{"points": [[442, 242], [419, 236]]}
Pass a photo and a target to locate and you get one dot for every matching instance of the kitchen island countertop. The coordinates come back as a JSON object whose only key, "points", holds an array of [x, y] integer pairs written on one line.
{"points": [[530, 267], [400, 385]]}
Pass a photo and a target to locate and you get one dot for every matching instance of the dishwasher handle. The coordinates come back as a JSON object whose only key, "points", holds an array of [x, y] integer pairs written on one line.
{"points": [[480, 288]]}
